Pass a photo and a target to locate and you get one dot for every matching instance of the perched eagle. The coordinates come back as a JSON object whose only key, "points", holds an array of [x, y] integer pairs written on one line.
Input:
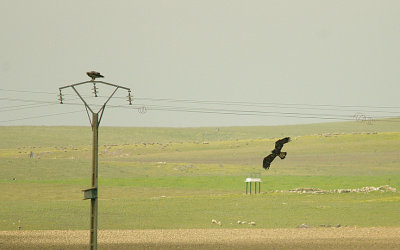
{"points": [[94, 75], [276, 152]]}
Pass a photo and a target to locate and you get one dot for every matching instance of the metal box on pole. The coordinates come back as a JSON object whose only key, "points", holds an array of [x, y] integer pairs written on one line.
{"points": [[90, 193]]}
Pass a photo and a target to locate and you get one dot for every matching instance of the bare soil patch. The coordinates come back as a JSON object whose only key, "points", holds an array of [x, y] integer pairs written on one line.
{"points": [[298, 238]]}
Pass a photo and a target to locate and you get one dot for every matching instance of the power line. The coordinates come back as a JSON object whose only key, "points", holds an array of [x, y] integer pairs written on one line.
{"points": [[194, 101], [252, 113], [247, 112], [316, 109], [25, 100], [262, 104], [27, 91], [213, 111], [48, 93], [217, 107], [237, 111], [40, 116], [14, 108], [30, 100]]}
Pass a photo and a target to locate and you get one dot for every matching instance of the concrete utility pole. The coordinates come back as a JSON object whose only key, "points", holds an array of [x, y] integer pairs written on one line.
{"points": [[91, 193]]}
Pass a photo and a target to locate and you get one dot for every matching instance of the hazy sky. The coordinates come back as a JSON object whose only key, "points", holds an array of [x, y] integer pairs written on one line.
{"points": [[283, 54]]}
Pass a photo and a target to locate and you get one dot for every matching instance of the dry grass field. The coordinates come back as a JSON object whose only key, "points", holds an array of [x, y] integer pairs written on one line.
{"points": [[297, 238]]}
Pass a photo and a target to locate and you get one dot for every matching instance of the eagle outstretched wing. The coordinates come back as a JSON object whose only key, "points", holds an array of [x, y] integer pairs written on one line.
{"points": [[279, 143], [267, 160]]}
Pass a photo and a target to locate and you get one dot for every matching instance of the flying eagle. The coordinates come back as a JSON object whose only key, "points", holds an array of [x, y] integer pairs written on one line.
{"points": [[276, 152], [94, 75]]}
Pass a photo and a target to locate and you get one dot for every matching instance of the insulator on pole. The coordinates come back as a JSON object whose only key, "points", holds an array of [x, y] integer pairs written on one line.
{"points": [[129, 97], [60, 97], [94, 89]]}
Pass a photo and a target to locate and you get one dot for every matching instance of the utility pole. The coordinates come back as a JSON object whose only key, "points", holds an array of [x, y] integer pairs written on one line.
{"points": [[95, 119]]}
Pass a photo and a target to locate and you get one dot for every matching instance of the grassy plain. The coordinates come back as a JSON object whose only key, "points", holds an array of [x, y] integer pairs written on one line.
{"points": [[182, 178]]}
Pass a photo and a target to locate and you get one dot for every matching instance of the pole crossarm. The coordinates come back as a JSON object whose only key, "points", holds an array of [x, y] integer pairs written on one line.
{"points": [[106, 83], [105, 103]]}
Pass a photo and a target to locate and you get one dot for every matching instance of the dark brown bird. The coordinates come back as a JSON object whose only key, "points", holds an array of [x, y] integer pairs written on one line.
{"points": [[276, 152], [94, 75]]}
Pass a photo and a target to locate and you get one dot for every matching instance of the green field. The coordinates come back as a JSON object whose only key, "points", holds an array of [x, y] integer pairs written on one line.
{"points": [[153, 178]]}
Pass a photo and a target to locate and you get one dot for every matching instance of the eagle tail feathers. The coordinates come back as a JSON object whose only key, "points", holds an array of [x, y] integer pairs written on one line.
{"points": [[282, 155]]}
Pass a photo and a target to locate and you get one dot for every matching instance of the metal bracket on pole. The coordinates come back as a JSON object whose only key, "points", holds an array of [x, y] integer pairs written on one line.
{"points": [[87, 112], [104, 105]]}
